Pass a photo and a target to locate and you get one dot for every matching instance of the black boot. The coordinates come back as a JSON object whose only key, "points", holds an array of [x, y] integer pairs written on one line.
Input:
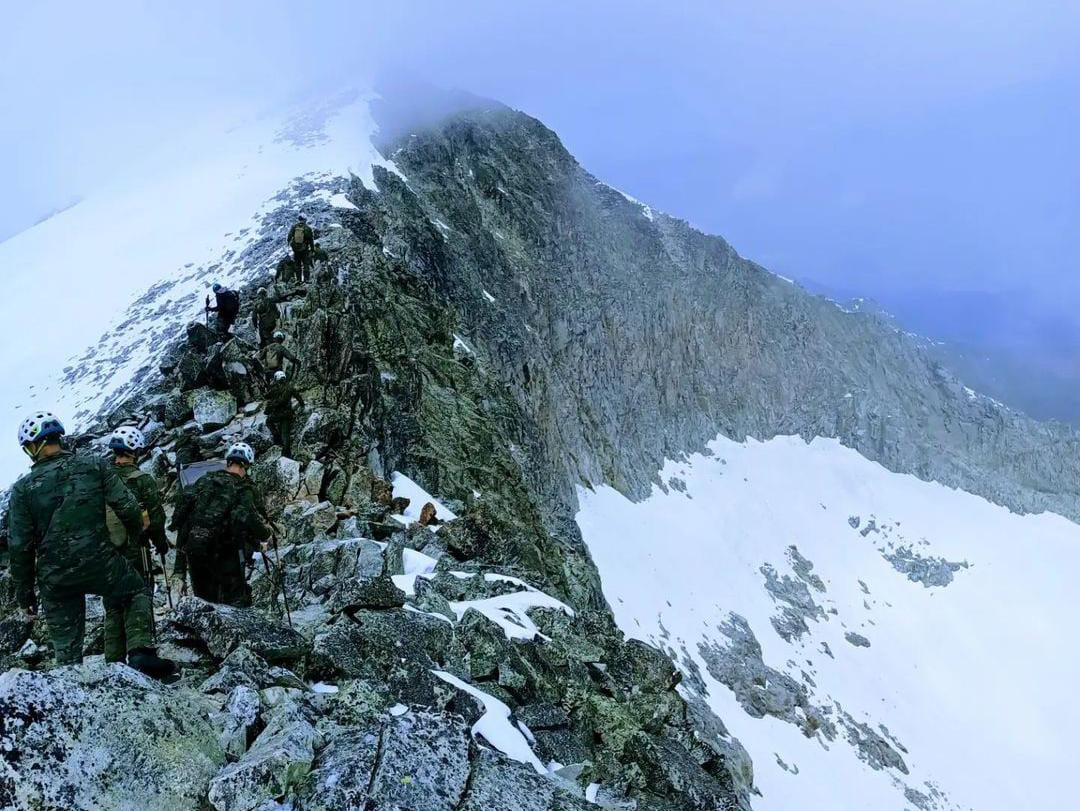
{"points": [[146, 660]]}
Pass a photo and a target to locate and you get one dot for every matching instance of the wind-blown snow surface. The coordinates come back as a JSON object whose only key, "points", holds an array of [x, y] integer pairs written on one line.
{"points": [[177, 220], [974, 679]]}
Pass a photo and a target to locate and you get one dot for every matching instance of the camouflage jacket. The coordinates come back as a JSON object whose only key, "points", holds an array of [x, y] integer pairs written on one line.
{"points": [[279, 400], [264, 314], [144, 487], [57, 521], [273, 357], [219, 513], [306, 236]]}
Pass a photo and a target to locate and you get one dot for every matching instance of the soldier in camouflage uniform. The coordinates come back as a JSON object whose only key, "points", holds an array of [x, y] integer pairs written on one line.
{"points": [[302, 242], [125, 443], [264, 316], [272, 357], [59, 542], [219, 526], [286, 271], [280, 411]]}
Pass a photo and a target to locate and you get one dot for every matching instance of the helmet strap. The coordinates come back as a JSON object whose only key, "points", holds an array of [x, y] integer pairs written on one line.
{"points": [[33, 449]]}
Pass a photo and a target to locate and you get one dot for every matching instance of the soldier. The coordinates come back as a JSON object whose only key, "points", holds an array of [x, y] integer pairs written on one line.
{"points": [[264, 316], [286, 270], [219, 527], [126, 442], [59, 542], [274, 354], [227, 307], [302, 242], [319, 254], [280, 412]]}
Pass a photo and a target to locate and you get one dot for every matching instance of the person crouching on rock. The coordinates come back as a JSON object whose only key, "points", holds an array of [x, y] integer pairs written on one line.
{"points": [[60, 544], [219, 527]]}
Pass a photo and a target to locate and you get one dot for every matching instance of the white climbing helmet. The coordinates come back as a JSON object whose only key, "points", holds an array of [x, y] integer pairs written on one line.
{"points": [[38, 426], [241, 452], [279, 375], [128, 439], [279, 335]]}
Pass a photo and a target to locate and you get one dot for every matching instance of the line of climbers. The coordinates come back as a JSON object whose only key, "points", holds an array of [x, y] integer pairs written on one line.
{"points": [[81, 525]]}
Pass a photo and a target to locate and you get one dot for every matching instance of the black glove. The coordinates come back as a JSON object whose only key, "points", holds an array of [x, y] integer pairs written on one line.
{"points": [[161, 546]]}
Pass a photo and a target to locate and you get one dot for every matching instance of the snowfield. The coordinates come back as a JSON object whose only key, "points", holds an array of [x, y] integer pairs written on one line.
{"points": [[176, 220], [974, 679]]}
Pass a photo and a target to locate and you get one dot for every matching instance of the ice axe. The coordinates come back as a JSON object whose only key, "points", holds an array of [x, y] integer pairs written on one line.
{"points": [[207, 310]]}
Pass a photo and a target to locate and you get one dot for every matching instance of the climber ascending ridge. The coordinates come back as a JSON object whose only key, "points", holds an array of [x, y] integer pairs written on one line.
{"points": [[227, 307], [218, 526], [126, 443], [302, 242]]}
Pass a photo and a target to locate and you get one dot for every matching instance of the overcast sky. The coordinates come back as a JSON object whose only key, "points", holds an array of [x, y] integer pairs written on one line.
{"points": [[868, 145]]}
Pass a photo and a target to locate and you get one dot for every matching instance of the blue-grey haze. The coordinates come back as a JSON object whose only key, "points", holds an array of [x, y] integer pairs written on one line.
{"points": [[923, 153]]}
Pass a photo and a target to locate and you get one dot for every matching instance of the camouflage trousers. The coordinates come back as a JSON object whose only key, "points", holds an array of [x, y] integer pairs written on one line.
{"points": [[281, 429], [115, 626], [120, 588], [305, 260], [266, 333], [220, 579]]}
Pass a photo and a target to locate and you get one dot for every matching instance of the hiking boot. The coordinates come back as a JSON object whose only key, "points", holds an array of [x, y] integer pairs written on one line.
{"points": [[146, 660]]}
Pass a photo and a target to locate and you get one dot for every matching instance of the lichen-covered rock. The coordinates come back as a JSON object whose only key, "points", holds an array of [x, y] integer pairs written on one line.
{"points": [[242, 667], [212, 409], [342, 773], [278, 761], [237, 719], [499, 782], [278, 478], [71, 737], [423, 763], [396, 648], [376, 593], [14, 631], [303, 521], [222, 629], [313, 478]]}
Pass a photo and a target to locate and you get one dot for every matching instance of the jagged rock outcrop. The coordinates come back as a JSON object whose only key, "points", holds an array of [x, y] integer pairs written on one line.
{"points": [[628, 337], [414, 649], [102, 736]]}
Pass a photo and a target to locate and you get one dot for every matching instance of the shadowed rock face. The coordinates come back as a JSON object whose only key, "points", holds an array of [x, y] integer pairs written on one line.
{"points": [[628, 337]]}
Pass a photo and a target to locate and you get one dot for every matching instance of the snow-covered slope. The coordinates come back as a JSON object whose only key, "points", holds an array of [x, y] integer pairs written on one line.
{"points": [[930, 660], [173, 221]]}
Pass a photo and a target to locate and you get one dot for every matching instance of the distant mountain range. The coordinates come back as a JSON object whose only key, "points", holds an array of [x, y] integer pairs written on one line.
{"points": [[1007, 345]]}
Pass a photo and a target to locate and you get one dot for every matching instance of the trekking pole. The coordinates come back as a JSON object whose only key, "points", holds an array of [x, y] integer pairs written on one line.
{"points": [[165, 575], [277, 575], [148, 579], [281, 574], [207, 310]]}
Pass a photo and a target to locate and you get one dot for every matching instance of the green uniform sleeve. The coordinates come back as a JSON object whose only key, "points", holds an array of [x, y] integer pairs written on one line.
{"points": [[146, 491], [181, 510], [247, 519], [120, 498], [22, 547]]}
